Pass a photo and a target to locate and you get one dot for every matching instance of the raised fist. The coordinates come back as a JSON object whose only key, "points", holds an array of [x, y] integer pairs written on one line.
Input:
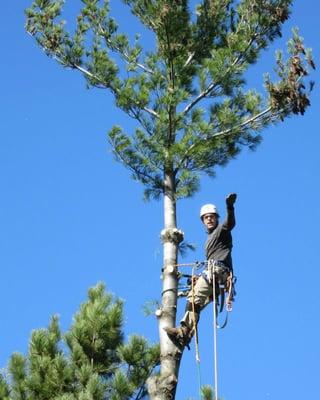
{"points": [[231, 199]]}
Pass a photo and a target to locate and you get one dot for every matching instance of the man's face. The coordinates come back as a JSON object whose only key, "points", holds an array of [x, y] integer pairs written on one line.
{"points": [[210, 221]]}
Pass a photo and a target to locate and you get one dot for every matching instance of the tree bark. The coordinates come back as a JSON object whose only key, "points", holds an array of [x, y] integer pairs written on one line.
{"points": [[163, 386]]}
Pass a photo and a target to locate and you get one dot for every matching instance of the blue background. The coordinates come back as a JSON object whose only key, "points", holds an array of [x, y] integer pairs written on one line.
{"points": [[70, 216]]}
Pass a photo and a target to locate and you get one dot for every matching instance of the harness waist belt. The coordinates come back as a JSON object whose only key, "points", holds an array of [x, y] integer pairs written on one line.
{"points": [[218, 263], [215, 266]]}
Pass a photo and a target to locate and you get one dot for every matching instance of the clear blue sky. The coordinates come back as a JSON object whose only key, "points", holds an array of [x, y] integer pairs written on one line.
{"points": [[70, 216]]}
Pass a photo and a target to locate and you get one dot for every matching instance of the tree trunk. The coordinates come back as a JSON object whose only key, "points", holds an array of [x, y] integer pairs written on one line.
{"points": [[163, 387]]}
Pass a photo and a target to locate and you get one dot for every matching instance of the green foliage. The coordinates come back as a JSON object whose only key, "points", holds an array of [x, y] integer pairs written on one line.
{"points": [[184, 247], [194, 112], [90, 362], [97, 332], [207, 392], [200, 56], [4, 389], [150, 307]]}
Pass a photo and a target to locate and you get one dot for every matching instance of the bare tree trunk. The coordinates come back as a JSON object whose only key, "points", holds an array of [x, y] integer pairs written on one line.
{"points": [[163, 387]]}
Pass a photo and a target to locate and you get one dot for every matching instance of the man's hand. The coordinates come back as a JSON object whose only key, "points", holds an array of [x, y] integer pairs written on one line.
{"points": [[231, 199]]}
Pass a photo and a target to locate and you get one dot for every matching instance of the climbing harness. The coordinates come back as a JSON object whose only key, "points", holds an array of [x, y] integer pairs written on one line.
{"points": [[225, 282]]}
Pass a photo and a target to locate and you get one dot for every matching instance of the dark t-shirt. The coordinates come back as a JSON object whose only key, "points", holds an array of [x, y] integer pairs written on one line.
{"points": [[219, 243]]}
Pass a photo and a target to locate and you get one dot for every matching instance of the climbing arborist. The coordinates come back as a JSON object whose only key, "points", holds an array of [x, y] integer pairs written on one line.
{"points": [[218, 249]]}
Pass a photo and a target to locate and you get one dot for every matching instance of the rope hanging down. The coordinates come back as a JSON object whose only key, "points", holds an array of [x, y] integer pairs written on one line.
{"points": [[215, 362], [219, 288], [196, 337]]}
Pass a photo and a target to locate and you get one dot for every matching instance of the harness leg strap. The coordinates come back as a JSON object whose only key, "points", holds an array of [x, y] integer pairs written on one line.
{"points": [[195, 307]]}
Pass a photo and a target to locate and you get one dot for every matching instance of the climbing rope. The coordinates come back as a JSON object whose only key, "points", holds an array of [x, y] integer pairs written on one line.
{"points": [[227, 287], [196, 337], [196, 264], [195, 325]]}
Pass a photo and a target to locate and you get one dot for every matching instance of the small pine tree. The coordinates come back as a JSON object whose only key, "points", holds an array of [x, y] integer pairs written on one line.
{"points": [[90, 362], [4, 389]]}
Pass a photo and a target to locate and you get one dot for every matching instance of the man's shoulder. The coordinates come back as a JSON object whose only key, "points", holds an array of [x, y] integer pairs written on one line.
{"points": [[216, 230]]}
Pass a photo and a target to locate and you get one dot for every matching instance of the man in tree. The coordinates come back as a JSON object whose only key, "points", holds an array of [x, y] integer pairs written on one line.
{"points": [[188, 94], [219, 262]]}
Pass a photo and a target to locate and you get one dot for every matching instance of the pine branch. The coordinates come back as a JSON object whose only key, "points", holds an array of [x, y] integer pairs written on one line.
{"points": [[124, 54], [60, 58], [92, 76], [199, 98], [238, 61], [151, 112], [243, 124], [226, 132], [212, 85], [150, 160], [135, 171], [189, 60], [136, 114]]}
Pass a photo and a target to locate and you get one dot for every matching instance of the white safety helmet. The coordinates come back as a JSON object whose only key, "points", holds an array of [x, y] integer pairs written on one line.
{"points": [[208, 209]]}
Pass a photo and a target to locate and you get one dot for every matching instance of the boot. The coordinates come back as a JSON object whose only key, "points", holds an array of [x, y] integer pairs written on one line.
{"points": [[180, 335]]}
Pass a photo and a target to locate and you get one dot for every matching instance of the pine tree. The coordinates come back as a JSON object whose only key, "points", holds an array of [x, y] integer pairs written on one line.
{"points": [[4, 389], [90, 362], [188, 96]]}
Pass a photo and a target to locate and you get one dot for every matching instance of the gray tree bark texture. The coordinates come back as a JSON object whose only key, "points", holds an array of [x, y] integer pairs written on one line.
{"points": [[163, 386]]}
